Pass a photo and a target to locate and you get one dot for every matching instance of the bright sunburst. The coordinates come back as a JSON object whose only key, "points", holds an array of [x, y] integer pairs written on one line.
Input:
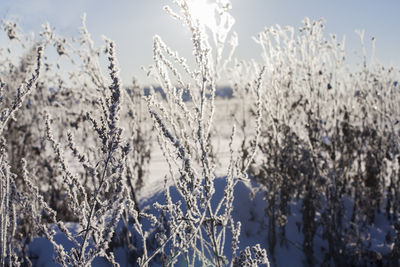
{"points": [[204, 12]]}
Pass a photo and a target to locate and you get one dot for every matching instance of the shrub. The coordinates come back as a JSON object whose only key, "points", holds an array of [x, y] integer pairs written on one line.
{"points": [[330, 141], [79, 176]]}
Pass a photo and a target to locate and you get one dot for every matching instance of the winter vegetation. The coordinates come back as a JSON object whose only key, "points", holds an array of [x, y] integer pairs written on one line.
{"points": [[299, 166]]}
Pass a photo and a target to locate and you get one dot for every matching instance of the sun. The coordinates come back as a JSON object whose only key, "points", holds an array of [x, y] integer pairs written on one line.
{"points": [[204, 12]]}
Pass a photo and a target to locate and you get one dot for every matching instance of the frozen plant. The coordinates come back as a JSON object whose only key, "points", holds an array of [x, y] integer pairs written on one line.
{"points": [[330, 136], [98, 209], [196, 230], [9, 198]]}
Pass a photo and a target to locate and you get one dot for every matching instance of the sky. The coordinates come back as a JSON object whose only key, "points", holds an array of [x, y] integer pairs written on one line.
{"points": [[133, 23]]}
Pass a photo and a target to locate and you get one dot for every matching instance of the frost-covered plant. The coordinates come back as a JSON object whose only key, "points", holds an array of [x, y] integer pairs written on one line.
{"points": [[56, 94], [94, 167], [196, 229], [98, 210], [330, 136], [10, 200]]}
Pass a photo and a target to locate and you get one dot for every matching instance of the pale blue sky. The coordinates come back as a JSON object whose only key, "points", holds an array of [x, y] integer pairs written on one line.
{"points": [[133, 23]]}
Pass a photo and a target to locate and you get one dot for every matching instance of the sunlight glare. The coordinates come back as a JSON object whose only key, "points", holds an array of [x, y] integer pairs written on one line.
{"points": [[204, 12]]}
